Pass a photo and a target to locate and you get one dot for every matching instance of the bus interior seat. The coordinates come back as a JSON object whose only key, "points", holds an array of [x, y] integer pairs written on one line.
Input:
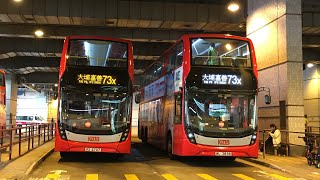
{"points": [[239, 61], [199, 60], [227, 62]]}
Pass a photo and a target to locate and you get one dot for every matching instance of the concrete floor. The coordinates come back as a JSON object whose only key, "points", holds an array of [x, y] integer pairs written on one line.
{"points": [[147, 162]]}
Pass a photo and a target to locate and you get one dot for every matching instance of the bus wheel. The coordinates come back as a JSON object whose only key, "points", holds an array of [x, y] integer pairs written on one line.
{"points": [[169, 148], [146, 136], [142, 135], [64, 154], [230, 159]]}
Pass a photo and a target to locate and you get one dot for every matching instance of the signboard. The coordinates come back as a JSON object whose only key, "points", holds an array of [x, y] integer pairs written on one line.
{"points": [[221, 79], [96, 79]]}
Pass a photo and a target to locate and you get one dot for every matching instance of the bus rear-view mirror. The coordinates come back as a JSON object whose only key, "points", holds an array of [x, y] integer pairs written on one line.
{"points": [[137, 98], [267, 99]]}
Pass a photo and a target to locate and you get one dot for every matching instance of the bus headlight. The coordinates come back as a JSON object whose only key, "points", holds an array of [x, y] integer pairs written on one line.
{"points": [[125, 134], [190, 135], [62, 132], [253, 138]]}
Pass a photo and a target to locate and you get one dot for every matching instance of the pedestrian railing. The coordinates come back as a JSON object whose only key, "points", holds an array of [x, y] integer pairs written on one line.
{"points": [[285, 138], [313, 129], [16, 140]]}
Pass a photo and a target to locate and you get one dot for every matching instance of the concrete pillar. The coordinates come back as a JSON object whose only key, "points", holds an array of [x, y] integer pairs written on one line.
{"points": [[312, 96], [11, 98], [275, 28]]}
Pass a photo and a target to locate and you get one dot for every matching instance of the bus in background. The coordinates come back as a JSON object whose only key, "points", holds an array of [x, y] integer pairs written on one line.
{"points": [[2, 98], [30, 119], [199, 98], [95, 96]]}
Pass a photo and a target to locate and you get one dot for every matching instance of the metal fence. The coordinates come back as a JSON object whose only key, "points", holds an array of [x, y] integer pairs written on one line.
{"points": [[285, 139], [16, 140]]}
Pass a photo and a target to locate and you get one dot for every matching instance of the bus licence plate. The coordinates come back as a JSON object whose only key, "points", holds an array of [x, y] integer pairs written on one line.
{"points": [[223, 153], [92, 149]]}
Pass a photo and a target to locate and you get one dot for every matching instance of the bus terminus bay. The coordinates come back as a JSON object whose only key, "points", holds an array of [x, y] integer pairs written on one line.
{"points": [[95, 95], [199, 98]]}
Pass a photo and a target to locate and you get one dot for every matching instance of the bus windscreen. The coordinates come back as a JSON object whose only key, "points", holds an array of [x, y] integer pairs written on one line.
{"points": [[97, 53], [220, 52]]}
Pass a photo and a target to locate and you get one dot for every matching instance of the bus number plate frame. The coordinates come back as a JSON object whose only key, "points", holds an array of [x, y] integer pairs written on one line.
{"points": [[92, 149], [223, 153]]}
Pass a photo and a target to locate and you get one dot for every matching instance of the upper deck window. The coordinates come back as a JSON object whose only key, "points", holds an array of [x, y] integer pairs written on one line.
{"points": [[97, 53], [220, 52]]}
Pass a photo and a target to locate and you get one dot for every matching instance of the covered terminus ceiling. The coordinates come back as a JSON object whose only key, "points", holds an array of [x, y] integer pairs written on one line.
{"points": [[152, 26]]}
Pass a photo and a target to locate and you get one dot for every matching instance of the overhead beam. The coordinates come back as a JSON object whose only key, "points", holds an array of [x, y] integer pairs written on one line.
{"points": [[311, 41], [123, 13], [39, 77], [134, 34], [18, 62], [23, 61], [12, 44], [311, 54], [311, 21]]}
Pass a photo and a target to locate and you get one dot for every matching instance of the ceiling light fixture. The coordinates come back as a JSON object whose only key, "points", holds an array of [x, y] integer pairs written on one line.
{"points": [[39, 33], [310, 65], [233, 7], [228, 47], [17, 0]]}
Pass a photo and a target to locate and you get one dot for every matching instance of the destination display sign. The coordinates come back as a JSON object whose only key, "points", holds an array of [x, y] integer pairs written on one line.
{"points": [[96, 79], [221, 79]]}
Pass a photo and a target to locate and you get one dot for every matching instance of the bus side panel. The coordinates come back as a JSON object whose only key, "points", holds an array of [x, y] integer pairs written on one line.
{"points": [[139, 122], [178, 135], [168, 115]]}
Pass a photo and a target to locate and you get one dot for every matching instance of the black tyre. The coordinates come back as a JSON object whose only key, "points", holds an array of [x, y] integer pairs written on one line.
{"points": [[64, 154], [145, 136], [142, 135], [230, 159], [169, 148]]}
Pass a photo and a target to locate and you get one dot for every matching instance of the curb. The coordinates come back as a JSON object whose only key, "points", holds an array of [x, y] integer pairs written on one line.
{"points": [[34, 165]]}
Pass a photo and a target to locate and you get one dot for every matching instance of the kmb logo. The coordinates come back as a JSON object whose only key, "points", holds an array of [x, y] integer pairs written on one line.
{"points": [[93, 138], [223, 142]]}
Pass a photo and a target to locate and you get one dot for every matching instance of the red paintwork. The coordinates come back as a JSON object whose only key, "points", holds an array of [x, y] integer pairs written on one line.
{"points": [[72, 146]]}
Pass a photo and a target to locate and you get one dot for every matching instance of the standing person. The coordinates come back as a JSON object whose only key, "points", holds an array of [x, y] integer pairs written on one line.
{"points": [[276, 137], [213, 58]]}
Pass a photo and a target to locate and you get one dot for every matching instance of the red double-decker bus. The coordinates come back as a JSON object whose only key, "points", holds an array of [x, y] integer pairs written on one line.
{"points": [[199, 98], [95, 95], [2, 98]]}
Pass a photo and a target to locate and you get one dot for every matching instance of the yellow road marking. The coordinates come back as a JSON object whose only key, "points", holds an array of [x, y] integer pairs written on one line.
{"points": [[207, 177], [279, 177], [92, 177], [169, 177], [52, 176], [131, 177], [241, 176]]}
